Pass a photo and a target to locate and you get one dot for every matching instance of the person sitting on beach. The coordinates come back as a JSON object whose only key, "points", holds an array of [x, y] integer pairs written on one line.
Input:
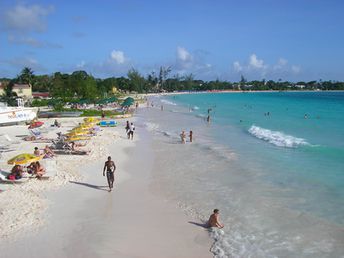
{"points": [[17, 172], [183, 137], [31, 168], [57, 124], [48, 153], [37, 152], [39, 170], [214, 220]]}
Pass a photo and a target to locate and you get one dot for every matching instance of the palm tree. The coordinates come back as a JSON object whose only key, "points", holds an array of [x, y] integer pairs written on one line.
{"points": [[26, 76]]}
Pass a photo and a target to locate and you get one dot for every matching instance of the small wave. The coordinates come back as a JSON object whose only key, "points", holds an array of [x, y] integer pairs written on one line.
{"points": [[276, 138], [168, 102], [195, 108], [200, 116], [166, 133], [151, 126]]}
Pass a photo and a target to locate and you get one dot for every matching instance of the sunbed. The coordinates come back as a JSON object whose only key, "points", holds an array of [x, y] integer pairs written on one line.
{"points": [[110, 123]]}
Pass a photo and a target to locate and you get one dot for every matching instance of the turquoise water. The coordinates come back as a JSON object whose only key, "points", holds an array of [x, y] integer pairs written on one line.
{"points": [[296, 137], [273, 163]]}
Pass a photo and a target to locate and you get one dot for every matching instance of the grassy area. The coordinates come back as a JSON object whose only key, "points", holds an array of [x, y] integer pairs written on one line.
{"points": [[92, 112]]}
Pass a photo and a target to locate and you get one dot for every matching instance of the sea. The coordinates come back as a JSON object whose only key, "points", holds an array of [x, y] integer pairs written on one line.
{"points": [[271, 162]]}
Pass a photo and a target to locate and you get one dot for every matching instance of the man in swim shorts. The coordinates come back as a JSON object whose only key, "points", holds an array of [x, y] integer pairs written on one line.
{"points": [[110, 171], [214, 220]]}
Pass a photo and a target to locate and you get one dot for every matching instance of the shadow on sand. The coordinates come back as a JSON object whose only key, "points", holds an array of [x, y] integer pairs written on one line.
{"points": [[203, 225], [98, 187]]}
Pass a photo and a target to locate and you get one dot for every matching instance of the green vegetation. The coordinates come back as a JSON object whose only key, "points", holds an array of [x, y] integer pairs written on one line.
{"points": [[82, 86]]}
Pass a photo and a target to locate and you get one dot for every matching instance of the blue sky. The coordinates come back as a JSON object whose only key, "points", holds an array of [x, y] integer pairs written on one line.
{"points": [[270, 39]]}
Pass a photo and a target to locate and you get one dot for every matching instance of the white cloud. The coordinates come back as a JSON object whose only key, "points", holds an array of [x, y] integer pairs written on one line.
{"points": [[26, 18], [237, 67], [256, 63], [194, 63], [256, 68], [183, 54], [118, 56]]}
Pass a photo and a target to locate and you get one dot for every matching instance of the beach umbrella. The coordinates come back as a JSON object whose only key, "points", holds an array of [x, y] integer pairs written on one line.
{"points": [[23, 158], [78, 138], [84, 101], [102, 101], [112, 99], [91, 120], [128, 102], [79, 130], [72, 134]]}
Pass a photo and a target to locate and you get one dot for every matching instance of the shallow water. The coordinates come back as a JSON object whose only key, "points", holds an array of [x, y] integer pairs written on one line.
{"points": [[276, 175]]}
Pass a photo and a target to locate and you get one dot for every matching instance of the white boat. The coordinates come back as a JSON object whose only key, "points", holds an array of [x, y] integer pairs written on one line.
{"points": [[14, 115]]}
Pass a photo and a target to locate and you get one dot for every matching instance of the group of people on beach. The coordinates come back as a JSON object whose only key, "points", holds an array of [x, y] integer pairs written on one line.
{"points": [[47, 152], [35, 168]]}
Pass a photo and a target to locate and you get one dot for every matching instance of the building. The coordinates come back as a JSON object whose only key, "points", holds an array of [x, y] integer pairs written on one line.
{"points": [[22, 90], [41, 95]]}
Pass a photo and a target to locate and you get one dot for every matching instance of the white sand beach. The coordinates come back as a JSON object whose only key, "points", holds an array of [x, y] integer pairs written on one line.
{"points": [[73, 215]]}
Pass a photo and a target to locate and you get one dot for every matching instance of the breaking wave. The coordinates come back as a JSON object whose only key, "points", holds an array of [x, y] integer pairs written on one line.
{"points": [[277, 138]]}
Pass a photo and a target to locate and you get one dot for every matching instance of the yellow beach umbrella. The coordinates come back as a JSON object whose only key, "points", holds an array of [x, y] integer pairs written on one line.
{"points": [[78, 138], [91, 120], [23, 158], [74, 134]]}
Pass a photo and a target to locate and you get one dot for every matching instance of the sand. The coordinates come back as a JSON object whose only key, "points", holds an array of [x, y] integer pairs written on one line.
{"points": [[73, 214]]}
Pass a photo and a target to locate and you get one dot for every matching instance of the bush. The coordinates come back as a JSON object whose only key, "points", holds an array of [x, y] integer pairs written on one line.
{"points": [[39, 103], [92, 112]]}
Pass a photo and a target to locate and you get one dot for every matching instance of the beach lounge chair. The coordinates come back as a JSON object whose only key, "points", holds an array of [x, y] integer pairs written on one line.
{"points": [[110, 123], [71, 152]]}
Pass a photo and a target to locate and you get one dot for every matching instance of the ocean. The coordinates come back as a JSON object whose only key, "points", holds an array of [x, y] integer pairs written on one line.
{"points": [[272, 162]]}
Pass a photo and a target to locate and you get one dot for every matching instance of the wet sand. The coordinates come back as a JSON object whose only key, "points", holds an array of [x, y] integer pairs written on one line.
{"points": [[83, 219]]}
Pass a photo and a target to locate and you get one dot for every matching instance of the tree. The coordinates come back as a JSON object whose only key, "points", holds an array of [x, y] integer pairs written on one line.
{"points": [[26, 76], [137, 82], [163, 73], [9, 96]]}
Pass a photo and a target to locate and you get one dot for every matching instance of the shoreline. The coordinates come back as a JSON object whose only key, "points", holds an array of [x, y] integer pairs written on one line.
{"points": [[83, 218], [226, 91]]}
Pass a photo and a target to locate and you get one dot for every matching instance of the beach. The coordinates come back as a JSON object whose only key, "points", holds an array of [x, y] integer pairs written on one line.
{"points": [[73, 215]]}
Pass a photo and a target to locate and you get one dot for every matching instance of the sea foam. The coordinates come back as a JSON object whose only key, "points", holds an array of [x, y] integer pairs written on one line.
{"points": [[168, 102], [276, 138]]}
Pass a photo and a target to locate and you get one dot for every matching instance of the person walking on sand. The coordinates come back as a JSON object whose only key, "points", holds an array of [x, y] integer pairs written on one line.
{"points": [[183, 137], [214, 220], [190, 135], [110, 171], [127, 128], [131, 131]]}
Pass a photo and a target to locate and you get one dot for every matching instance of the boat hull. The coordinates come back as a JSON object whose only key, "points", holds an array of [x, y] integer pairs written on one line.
{"points": [[17, 115]]}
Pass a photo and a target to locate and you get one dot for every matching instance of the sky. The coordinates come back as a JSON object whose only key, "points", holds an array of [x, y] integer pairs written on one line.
{"points": [[294, 40]]}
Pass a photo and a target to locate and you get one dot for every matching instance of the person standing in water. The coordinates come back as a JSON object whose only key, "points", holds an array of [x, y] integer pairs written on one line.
{"points": [[110, 171], [214, 220], [183, 137]]}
